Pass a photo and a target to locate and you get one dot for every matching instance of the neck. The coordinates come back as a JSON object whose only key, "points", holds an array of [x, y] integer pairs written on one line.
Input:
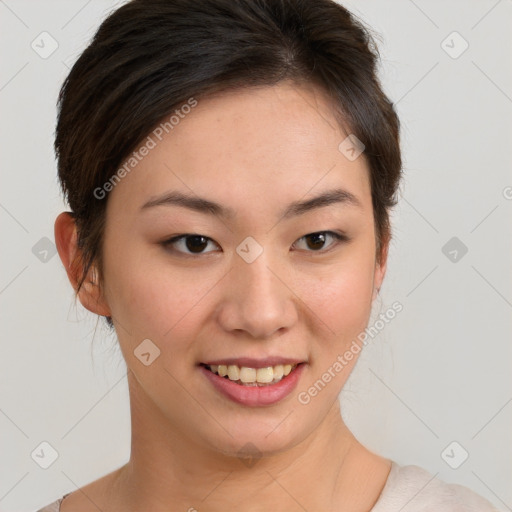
{"points": [[328, 470]]}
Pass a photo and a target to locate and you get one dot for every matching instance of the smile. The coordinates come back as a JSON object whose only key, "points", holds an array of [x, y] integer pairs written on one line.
{"points": [[253, 387], [246, 376]]}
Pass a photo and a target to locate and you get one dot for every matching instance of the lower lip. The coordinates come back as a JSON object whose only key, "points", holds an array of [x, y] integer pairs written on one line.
{"points": [[255, 396]]}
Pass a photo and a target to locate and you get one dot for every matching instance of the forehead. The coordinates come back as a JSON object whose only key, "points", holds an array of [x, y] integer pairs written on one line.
{"points": [[255, 146]]}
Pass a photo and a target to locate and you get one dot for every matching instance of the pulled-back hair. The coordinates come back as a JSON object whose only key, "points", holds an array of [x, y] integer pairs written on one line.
{"points": [[149, 57]]}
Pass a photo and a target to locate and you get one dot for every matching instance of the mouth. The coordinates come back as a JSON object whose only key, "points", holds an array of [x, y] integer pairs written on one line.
{"points": [[264, 383], [252, 377]]}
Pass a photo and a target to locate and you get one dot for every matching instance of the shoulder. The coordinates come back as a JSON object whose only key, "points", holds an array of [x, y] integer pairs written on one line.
{"points": [[53, 507], [413, 489]]}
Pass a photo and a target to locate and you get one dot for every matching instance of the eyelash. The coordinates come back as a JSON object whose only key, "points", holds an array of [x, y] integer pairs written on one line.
{"points": [[340, 238]]}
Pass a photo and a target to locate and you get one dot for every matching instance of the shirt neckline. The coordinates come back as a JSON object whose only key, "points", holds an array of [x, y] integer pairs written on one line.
{"points": [[385, 490]]}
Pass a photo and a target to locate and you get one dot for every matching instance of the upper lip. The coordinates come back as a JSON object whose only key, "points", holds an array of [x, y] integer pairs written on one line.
{"points": [[251, 362]]}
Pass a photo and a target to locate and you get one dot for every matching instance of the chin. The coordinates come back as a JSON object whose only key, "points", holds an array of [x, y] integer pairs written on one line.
{"points": [[256, 438]]}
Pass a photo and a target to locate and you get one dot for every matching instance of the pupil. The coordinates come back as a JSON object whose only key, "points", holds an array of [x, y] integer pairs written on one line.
{"points": [[319, 237], [194, 247]]}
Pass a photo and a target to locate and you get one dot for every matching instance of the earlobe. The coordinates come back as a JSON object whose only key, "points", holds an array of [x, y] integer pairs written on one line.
{"points": [[90, 294]]}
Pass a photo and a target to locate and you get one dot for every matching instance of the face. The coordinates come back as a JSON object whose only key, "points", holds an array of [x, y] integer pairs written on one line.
{"points": [[256, 288]]}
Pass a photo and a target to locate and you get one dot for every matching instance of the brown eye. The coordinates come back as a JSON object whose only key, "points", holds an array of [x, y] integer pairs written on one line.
{"points": [[189, 242], [316, 241]]}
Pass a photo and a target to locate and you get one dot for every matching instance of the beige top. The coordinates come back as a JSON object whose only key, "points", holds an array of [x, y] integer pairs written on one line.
{"points": [[408, 489]]}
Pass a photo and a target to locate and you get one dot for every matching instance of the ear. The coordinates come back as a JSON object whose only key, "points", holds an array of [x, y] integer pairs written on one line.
{"points": [[90, 294], [380, 268]]}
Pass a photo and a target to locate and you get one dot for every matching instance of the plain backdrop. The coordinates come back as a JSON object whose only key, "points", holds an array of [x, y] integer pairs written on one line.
{"points": [[432, 388]]}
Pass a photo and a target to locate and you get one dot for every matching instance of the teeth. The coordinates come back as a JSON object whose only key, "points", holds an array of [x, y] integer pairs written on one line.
{"points": [[233, 372], [247, 374], [253, 376], [265, 375], [278, 372]]}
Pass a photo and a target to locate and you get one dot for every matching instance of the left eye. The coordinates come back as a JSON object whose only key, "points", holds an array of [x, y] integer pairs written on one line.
{"points": [[194, 243], [197, 243], [318, 239]]}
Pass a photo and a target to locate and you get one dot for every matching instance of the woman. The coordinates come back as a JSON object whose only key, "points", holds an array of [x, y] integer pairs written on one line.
{"points": [[230, 166]]}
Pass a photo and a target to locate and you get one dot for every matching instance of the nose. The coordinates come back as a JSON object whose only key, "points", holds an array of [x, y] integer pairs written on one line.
{"points": [[259, 298]]}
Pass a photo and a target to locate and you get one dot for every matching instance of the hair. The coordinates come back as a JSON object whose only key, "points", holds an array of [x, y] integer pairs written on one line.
{"points": [[148, 57]]}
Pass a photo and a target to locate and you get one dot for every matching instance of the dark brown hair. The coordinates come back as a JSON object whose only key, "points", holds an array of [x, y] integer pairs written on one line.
{"points": [[150, 56]]}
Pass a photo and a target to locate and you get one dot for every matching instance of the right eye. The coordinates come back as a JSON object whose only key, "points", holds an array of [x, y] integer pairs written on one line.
{"points": [[192, 242]]}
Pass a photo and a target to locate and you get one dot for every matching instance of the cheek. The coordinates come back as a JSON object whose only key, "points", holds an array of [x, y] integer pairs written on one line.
{"points": [[157, 300], [341, 302], [341, 297]]}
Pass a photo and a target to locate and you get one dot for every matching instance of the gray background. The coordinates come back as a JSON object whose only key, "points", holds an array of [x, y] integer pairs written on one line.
{"points": [[438, 373]]}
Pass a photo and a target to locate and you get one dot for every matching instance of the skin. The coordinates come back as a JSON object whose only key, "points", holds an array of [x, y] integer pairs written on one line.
{"points": [[255, 151]]}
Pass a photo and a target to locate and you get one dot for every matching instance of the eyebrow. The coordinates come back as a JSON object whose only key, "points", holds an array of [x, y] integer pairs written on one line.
{"points": [[205, 206]]}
